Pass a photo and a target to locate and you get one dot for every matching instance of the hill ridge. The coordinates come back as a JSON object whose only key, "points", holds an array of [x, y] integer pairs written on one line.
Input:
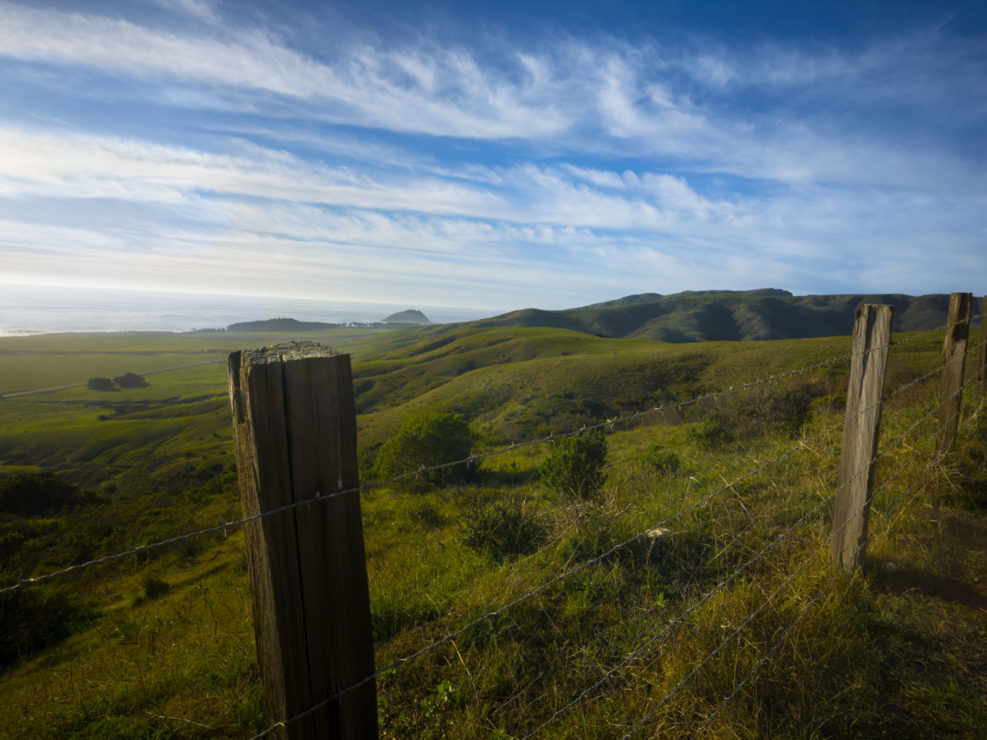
{"points": [[717, 315]]}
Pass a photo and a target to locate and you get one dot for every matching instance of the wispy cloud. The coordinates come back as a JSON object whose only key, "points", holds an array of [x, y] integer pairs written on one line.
{"points": [[486, 164]]}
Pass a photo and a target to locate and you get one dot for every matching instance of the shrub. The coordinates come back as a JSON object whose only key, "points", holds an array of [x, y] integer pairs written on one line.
{"points": [[775, 408], [100, 384], [130, 380], [425, 440], [34, 618], [786, 409], [575, 464], [709, 434], [503, 528], [661, 461], [36, 494]]}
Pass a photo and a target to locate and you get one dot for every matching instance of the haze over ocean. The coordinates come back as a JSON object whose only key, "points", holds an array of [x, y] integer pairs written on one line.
{"points": [[34, 309]]}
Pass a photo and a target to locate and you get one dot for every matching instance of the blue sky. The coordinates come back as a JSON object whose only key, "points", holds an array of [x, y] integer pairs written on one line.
{"points": [[516, 154]]}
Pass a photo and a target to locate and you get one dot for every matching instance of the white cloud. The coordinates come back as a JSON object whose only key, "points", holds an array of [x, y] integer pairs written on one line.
{"points": [[605, 95], [599, 161], [198, 9]]}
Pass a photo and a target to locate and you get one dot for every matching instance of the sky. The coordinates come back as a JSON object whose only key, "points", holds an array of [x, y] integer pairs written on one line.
{"points": [[493, 155]]}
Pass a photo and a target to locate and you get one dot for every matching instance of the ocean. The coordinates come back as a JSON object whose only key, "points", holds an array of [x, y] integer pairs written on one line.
{"points": [[32, 309]]}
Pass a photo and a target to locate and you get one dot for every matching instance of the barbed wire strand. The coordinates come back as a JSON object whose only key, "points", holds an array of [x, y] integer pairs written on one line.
{"points": [[750, 617], [556, 579], [493, 614], [226, 526], [490, 615], [629, 658], [472, 459], [907, 498], [677, 620]]}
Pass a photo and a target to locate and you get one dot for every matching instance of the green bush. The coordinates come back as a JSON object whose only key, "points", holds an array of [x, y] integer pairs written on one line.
{"points": [[575, 465], [709, 434], [130, 380], [785, 409], [425, 440], [503, 528], [34, 618], [100, 384], [770, 409], [661, 461], [37, 494]]}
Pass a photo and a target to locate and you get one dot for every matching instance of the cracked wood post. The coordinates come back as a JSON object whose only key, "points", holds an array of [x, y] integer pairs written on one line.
{"points": [[861, 430], [954, 360], [294, 427]]}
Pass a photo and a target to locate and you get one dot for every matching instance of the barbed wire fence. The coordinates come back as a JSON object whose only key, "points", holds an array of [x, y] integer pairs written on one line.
{"points": [[702, 501]]}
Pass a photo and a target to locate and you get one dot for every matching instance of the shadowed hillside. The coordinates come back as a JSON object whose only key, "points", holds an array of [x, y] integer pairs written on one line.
{"points": [[729, 315]]}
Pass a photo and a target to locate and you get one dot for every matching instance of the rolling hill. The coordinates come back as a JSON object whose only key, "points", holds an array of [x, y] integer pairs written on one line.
{"points": [[728, 315]]}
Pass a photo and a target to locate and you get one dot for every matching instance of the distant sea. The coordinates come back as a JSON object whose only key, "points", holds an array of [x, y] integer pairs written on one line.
{"points": [[29, 309]]}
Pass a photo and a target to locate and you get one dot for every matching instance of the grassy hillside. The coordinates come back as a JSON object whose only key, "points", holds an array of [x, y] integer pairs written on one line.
{"points": [[729, 315], [160, 644]]}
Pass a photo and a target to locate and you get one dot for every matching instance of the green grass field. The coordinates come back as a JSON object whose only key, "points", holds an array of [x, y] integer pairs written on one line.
{"points": [[160, 645]]}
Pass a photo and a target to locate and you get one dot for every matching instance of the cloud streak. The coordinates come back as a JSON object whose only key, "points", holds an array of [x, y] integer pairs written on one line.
{"points": [[578, 166]]}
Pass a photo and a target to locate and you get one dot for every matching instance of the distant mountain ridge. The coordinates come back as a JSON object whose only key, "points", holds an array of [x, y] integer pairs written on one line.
{"points": [[699, 316]]}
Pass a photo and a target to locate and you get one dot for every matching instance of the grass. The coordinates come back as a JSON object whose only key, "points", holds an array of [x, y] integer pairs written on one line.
{"points": [[894, 650]]}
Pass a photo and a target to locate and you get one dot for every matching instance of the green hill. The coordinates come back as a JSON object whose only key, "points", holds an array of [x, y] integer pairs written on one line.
{"points": [[161, 643], [729, 315]]}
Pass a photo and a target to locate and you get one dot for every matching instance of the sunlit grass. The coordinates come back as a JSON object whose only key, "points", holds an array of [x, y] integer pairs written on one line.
{"points": [[895, 650]]}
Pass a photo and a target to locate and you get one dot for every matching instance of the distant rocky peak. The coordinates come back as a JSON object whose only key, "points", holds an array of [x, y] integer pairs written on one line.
{"points": [[411, 316]]}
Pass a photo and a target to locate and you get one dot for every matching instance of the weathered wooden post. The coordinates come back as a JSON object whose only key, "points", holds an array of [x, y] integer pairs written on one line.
{"points": [[954, 360], [982, 356], [861, 430], [294, 425]]}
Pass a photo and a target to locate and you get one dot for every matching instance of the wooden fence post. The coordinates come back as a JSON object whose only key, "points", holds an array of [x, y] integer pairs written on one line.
{"points": [[861, 429], [982, 356], [954, 360], [294, 425]]}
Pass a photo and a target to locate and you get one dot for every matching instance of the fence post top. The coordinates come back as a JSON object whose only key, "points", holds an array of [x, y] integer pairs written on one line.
{"points": [[285, 352]]}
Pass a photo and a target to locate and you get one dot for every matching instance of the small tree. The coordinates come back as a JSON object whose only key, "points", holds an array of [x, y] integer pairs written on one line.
{"points": [[37, 494], [423, 441], [130, 380], [100, 384], [575, 464]]}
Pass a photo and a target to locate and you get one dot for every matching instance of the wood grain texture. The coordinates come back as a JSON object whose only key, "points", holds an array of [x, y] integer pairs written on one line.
{"points": [[954, 361], [861, 433], [295, 433]]}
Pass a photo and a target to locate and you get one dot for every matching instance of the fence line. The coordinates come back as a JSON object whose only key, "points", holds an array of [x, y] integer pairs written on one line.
{"points": [[907, 498], [750, 618], [662, 633], [524, 597], [858, 473], [886, 517], [472, 459], [608, 423]]}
